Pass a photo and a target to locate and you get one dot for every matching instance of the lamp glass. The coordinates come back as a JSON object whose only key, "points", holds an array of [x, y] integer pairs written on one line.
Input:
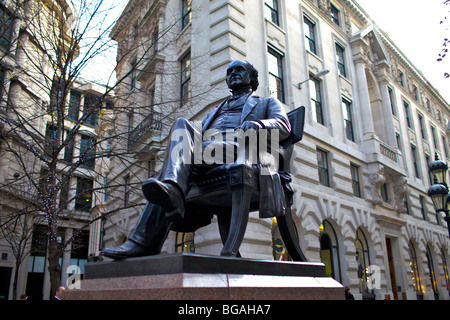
{"points": [[438, 194], [439, 169]]}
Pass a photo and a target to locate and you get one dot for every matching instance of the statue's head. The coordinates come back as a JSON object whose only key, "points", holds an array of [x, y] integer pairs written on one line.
{"points": [[241, 75]]}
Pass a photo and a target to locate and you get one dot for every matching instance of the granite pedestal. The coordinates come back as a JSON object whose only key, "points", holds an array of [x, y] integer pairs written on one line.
{"points": [[187, 276]]}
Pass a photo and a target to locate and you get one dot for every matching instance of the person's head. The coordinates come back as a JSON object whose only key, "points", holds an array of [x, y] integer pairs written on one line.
{"points": [[59, 291], [242, 75]]}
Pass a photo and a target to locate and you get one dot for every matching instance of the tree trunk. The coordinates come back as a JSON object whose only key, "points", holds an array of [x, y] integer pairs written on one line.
{"points": [[53, 266]]}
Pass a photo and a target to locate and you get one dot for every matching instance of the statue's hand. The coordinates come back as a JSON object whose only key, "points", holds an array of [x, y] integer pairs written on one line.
{"points": [[246, 125]]}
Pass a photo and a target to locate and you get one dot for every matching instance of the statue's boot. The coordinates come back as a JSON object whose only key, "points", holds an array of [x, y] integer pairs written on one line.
{"points": [[148, 237], [167, 195]]}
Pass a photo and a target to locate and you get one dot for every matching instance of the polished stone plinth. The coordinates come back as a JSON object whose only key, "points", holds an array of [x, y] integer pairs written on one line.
{"points": [[187, 276]]}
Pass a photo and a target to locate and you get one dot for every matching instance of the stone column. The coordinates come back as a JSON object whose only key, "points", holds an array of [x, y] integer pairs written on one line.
{"points": [[66, 257], [364, 100]]}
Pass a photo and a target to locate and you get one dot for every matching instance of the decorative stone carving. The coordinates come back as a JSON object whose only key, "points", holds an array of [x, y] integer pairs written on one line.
{"points": [[376, 179], [400, 191]]}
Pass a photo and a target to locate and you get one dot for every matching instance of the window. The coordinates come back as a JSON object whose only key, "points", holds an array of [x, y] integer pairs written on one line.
{"points": [[392, 101], [275, 75], [422, 207], [348, 121], [186, 12], [87, 151], [414, 270], [316, 100], [185, 78], [406, 205], [50, 140], [68, 150], [340, 57], [433, 134], [310, 35], [407, 115], [445, 267], [384, 192], [74, 105], [84, 194], [92, 106], [444, 143], [362, 259], [271, 11], [432, 275], [415, 161], [279, 251], [6, 28], [430, 175], [329, 251], [322, 167], [335, 14], [185, 242], [355, 180], [422, 126]]}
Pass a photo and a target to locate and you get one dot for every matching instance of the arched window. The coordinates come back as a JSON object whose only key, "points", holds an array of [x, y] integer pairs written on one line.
{"points": [[363, 259], [329, 251], [415, 271], [279, 251], [432, 274], [184, 242], [444, 266]]}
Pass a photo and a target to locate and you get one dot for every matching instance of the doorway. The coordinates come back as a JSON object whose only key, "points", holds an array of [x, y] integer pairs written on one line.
{"points": [[391, 268]]}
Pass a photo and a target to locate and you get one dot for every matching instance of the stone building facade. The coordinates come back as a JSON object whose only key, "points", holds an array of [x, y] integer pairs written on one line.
{"points": [[26, 73], [360, 174]]}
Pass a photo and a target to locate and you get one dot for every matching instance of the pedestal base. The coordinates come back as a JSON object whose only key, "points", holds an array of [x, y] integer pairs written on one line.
{"points": [[199, 277]]}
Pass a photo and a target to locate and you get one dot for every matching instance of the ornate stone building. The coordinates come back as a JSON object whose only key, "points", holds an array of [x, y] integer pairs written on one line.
{"points": [[26, 75], [360, 174]]}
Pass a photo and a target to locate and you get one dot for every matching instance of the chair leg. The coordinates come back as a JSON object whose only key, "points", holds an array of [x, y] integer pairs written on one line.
{"points": [[290, 239], [238, 224], [223, 220]]}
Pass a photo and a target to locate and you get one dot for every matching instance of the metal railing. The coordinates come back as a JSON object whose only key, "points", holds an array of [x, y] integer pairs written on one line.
{"points": [[151, 122]]}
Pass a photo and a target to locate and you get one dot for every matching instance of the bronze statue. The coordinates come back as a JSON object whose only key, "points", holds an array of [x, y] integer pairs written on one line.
{"points": [[166, 194]]}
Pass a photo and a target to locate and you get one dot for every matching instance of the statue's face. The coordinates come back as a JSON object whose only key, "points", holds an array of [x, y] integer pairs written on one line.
{"points": [[238, 75]]}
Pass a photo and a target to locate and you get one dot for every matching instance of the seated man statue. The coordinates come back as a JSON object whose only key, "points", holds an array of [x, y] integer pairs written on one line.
{"points": [[166, 194]]}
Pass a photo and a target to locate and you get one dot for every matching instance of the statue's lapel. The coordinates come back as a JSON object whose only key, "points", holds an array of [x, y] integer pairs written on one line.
{"points": [[252, 101], [211, 116]]}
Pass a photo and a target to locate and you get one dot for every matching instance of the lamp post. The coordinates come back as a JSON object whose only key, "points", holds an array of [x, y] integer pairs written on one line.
{"points": [[319, 74], [439, 191]]}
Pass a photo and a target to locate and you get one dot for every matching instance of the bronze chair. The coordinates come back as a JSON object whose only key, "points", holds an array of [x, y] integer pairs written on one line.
{"points": [[232, 192]]}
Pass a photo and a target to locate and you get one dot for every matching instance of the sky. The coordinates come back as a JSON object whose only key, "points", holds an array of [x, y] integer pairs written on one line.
{"points": [[414, 26]]}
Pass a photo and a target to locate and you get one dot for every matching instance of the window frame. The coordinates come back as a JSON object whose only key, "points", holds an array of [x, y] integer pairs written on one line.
{"points": [[186, 13], [340, 60], [323, 167], [316, 103], [348, 119], [277, 77], [271, 13], [310, 39], [185, 78]]}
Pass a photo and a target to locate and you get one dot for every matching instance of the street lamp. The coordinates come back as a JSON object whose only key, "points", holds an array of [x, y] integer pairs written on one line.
{"points": [[317, 75], [439, 190]]}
